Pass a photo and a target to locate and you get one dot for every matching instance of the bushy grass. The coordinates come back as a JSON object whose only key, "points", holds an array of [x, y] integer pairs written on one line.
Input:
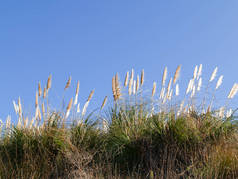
{"points": [[139, 137]]}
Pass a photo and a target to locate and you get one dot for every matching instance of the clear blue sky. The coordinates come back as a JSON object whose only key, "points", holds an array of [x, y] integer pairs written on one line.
{"points": [[91, 40]]}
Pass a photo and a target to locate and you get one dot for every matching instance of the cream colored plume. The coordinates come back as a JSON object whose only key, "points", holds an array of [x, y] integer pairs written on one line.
{"points": [[213, 74], [219, 82], [126, 79], [68, 108], [177, 73], [154, 89], [164, 76], [68, 83], [199, 71]]}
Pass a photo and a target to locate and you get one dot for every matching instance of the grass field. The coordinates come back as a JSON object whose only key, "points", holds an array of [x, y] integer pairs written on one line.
{"points": [[155, 134]]}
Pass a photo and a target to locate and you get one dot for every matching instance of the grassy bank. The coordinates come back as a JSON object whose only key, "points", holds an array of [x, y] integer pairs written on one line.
{"points": [[141, 135]]}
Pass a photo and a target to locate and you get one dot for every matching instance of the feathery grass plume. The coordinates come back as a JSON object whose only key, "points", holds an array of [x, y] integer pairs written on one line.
{"points": [[154, 89], [199, 84], [19, 106], [78, 108], [169, 85], [25, 122], [214, 73], [44, 93], [85, 108], [195, 72], [162, 93], [118, 91], [229, 113], [90, 95], [114, 88], [43, 108], [39, 90], [104, 102], [68, 83], [68, 108], [219, 82], [199, 71], [142, 78], [177, 90], [130, 87], [193, 91], [137, 83], [15, 107], [190, 86], [132, 74], [176, 75], [48, 86], [164, 76], [221, 112], [233, 91], [126, 79], [76, 94], [8, 122], [134, 86], [36, 102]]}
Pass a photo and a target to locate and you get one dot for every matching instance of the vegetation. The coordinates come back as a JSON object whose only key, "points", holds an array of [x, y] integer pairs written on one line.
{"points": [[140, 136]]}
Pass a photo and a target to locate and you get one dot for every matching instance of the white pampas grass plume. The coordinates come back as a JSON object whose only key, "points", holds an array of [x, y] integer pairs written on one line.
{"points": [[199, 71], [68, 108], [176, 75], [162, 93], [219, 82], [126, 79], [233, 91], [213, 75], [15, 107], [195, 72], [8, 122], [134, 87], [76, 94], [177, 90], [85, 108], [193, 91], [199, 84], [229, 113], [19, 107], [154, 89], [130, 87], [221, 112], [164, 76], [190, 86], [78, 108], [132, 74]]}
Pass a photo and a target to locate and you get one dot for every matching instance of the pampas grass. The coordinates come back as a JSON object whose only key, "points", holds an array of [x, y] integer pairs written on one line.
{"points": [[169, 137]]}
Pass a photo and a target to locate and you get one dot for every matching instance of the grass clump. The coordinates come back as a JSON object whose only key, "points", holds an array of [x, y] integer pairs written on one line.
{"points": [[160, 135]]}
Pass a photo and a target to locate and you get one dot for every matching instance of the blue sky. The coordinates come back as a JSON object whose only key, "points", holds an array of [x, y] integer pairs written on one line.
{"points": [[91, 40]]}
